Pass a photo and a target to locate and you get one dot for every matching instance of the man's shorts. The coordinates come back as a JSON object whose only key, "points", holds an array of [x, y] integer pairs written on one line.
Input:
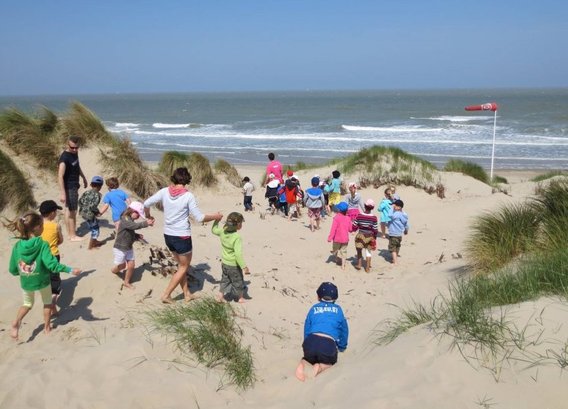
{"points": [[319, 350], [179, 245], [394, 243], [122, 256], [72, 198]]}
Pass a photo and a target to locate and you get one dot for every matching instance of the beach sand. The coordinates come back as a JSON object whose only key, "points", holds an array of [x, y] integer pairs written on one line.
{"points": [[102, 353]]}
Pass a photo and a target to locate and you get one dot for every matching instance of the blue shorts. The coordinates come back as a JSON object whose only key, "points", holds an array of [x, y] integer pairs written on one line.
{"points": [[319, 350], [179, 245]]}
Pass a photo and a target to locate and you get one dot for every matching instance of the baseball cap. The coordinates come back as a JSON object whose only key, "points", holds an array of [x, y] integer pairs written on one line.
{"points": [[315, 181], [98, 180], [327, 291], [370, 203], [342, 207], [138, 208], [290, 172], [48, 206]]}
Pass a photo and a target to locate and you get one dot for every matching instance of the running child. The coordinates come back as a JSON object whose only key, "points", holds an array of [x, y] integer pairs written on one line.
{"points": [[122, 250], [339, 234], [232, 261], [89, 210], [398, 226], [325, 332], [32, 260], [116, 199], [54, 237], [272, 192], [334, 188], [366, 238]]}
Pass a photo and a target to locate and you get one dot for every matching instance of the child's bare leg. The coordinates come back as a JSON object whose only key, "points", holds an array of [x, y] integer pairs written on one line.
{"points": [[118, 268], [343, 262], [47, 318], [394, 257], [383, 230], [128, 275], [368, 265], [242, 298], [359, 259], [319, 368], [54, 299], [221, 297], [300, 371], [22, 311]]}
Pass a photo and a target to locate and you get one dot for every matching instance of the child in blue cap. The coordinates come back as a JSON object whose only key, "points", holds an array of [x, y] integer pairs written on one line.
{"points": [[325, 332]]}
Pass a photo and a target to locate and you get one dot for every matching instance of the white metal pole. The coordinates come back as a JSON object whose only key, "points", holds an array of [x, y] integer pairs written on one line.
{"points": [[493, 147]]}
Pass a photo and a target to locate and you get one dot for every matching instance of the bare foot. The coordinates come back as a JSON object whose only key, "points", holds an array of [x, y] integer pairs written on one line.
{"points": [[76, 238], [242, 300], [168, 300], [300, 373], [191, 298], [47, 330], [221, 298], [14, 331], [128, 285]]}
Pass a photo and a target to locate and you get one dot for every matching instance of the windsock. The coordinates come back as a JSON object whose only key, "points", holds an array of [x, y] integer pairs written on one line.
{"points": [[490, 106]]}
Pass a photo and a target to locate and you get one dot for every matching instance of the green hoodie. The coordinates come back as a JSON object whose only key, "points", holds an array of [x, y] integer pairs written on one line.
{"points": [[33, 262]]}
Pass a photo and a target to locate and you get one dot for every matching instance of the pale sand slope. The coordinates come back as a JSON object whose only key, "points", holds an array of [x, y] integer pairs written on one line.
{"points": [[102, 355]]}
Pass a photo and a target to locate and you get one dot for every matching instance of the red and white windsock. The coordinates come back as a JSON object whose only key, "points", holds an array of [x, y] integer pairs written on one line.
{"points": [[490, 106]]}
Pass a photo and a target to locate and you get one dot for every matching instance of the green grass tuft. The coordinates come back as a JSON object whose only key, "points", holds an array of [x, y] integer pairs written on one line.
{"points": [[208, 330], [467, 168], [15, 191], [224, 167], [549, 175], [82, 122]]}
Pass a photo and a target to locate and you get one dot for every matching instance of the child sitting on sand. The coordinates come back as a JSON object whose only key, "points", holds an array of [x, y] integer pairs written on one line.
{"points": [[89, 209], [339, 234], [385, 209], [366, 238], [125, 238], [54, 237], [32, 260], [233, 264], [325, 332], [398, 226]]}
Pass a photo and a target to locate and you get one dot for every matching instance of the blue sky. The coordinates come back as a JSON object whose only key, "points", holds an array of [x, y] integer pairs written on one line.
{"points": [[78, 47]]}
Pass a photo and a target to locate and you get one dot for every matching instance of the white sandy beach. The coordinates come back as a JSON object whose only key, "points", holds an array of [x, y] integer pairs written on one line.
{"points": [[101, 353]]}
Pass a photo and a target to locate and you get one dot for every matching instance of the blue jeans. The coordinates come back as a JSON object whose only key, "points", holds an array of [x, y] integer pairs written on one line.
{"points": [[94, 227]]}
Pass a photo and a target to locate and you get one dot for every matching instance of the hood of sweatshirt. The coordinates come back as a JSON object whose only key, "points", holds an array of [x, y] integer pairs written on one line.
{"points": [[29, 249], [176, 192]]}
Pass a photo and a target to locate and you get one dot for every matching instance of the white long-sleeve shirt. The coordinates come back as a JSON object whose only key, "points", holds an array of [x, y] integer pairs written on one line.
{"points": [[176, 211]]}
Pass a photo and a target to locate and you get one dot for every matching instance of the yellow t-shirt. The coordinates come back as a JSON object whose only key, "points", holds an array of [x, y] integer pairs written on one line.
{"points": [[51, 236]]}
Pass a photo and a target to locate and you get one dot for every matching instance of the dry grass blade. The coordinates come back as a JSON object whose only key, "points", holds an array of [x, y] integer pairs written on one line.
{"points": [[82, 122]]}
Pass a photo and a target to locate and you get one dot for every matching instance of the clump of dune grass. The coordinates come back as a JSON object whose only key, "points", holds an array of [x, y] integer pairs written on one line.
{"points": [[499, 236], [197, 164], [82, 122], [499, 179], [224, 167], [467, 168], [552, 209], [207, 329], [15, 190], [31, 136], [380, 165], [549, 175], [122, 161]]}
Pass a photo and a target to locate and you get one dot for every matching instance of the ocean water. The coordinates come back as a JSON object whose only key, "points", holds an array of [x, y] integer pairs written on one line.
{"points": [[315, 126]]}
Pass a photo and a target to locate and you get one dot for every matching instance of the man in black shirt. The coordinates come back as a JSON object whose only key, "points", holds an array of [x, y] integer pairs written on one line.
{"points": [[68, 174]]}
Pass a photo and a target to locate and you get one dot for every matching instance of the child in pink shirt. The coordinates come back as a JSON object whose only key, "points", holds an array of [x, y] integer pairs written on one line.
{"points": [[339, 233]]}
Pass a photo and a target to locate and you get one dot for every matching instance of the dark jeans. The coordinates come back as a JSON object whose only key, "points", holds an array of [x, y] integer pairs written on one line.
{"points": [[248, 203]]}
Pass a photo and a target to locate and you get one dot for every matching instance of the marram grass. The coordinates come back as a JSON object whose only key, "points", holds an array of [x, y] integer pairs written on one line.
{"points": [[197, 164], [207, 329], [15, 190], [467, 168], [232, 175]]}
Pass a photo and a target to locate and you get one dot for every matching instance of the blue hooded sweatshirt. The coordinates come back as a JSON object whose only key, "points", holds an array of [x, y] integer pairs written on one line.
{"points": [[327, 318]]}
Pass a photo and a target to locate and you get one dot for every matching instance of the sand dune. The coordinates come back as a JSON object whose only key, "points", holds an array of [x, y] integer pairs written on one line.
{"points": [[102, 354]]}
